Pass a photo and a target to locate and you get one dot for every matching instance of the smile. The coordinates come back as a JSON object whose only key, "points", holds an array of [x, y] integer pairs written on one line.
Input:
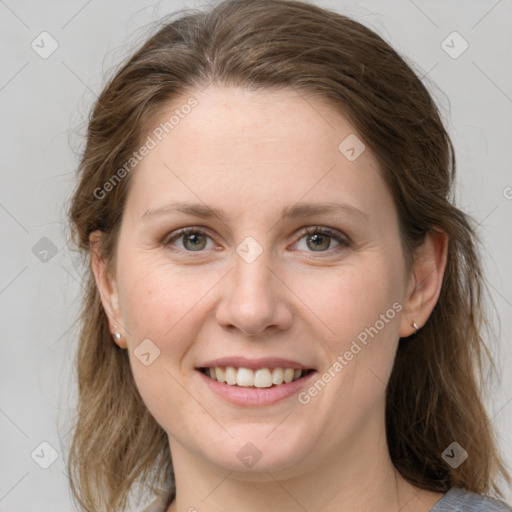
{"points": [[257, 378]]}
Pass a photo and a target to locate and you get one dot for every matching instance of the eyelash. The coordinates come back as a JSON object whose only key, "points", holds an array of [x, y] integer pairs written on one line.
{"points": [[343, 240]]}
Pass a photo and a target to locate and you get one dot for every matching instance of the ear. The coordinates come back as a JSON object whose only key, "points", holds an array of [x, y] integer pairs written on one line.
{"points": [[107, 288], [425, 281]]}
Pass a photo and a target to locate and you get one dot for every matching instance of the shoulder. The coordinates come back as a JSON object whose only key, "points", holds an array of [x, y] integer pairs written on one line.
{"points": [[460, 500]]}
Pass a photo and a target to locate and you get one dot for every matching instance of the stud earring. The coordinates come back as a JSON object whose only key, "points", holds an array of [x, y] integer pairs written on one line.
{"points": [[415, 325], [117, 335]]}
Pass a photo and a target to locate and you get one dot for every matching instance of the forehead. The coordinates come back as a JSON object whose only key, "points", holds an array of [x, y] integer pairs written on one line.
{"points": [[229, 142]]}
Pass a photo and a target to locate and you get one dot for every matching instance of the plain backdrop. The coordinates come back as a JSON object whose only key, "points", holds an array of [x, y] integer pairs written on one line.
{"points": [[45, 99]]}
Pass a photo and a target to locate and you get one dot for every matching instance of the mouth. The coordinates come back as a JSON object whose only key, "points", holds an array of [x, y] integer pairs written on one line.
{"points": [[262, 378]]}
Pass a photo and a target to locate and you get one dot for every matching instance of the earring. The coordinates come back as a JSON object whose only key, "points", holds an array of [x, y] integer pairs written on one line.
{"points": [[415, 325], [117, 335]]}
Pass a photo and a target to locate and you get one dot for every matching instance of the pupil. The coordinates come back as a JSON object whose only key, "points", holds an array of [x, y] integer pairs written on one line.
{"points": [[319, 238], [195, 240]]}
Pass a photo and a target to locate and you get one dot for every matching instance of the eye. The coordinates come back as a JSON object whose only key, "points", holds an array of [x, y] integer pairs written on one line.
{"points": [[316, 239], [192, 240], [319, 239]]}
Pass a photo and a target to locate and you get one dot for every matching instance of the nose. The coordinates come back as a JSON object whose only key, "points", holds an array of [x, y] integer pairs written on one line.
{"points": [[254, 299]]}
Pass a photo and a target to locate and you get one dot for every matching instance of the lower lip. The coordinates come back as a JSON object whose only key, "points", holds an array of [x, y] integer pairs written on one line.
{"points": [[250, 396]]}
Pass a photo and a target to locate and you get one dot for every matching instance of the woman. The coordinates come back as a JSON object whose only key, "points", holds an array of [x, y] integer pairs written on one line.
{"points": [[284, 307]]}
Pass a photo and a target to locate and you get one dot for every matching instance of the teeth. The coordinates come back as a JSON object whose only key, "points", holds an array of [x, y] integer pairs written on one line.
{"points": [[231, 375], [244, 377], [261, 378], [288, 374], [277, 376], [220, 374]]}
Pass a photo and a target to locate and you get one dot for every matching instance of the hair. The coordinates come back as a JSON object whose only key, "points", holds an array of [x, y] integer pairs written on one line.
{"points": [[434, 393]]}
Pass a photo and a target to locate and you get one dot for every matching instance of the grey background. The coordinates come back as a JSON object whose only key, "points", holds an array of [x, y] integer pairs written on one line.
{"points": [[44, 106]]}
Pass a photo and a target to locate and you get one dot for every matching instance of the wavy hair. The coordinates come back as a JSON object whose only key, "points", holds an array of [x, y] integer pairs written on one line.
{"points": [[434, 395]]}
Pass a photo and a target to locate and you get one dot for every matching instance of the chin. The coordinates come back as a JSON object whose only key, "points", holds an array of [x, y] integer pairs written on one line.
{"points": [[256, 449]]}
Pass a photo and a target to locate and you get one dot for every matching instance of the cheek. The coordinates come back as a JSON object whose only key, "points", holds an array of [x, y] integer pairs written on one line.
{"points": [[347, 300], [157, 306], [358, 308], [155, 297], [168, 306]]}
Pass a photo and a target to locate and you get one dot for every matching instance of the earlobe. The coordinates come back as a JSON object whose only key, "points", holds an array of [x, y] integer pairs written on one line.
{"points": [[107, 289], [425, 282]]}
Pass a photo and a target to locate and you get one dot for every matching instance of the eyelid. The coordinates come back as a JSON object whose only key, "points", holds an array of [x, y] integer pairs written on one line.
{"points": [[185, 231], [335, 233], [343, 239]]}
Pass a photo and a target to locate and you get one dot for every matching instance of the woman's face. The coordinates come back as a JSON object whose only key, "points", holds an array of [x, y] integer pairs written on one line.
{"points": [[249, 173]]}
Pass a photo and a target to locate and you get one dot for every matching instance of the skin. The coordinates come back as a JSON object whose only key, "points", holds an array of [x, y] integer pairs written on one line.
{"points": [[252, 154]]}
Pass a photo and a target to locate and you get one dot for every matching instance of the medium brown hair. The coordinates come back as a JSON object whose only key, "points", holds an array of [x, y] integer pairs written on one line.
{"points": [[433, 396]]}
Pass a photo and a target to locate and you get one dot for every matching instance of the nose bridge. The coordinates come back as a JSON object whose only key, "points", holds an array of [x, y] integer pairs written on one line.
{"points": [[252, 290], [251, 269], [251, 301]]}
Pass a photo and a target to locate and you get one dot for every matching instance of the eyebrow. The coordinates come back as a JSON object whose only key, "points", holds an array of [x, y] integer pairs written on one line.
{"points": [[290, 212]]}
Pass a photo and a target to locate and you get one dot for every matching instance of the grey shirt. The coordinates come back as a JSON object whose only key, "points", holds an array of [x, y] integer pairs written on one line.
{"points": [[455, 500], [460, 500]]}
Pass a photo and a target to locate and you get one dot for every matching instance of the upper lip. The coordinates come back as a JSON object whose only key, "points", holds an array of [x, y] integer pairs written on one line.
{"points": [[254, 364]]}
